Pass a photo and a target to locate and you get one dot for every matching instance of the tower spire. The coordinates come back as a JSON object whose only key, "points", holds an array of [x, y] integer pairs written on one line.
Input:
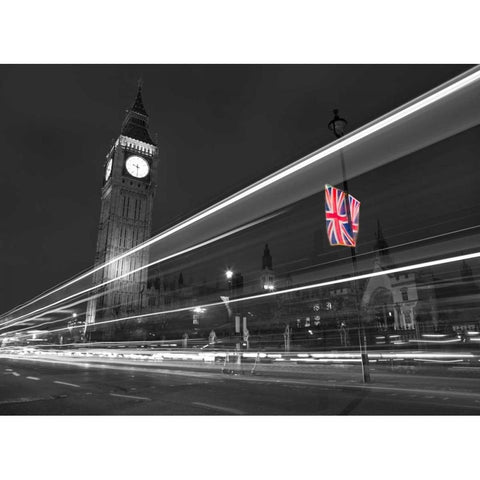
{"points": [[267, 258], [382, 253], [135, 124], [267, 278], [138, 106], [381, 245]]}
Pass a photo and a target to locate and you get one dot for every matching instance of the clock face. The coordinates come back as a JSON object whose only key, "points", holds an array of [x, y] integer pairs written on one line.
{"points": [[137, 167], [108, 169]]}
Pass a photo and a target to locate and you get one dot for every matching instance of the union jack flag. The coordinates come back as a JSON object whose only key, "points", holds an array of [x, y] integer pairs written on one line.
{"points": [[339, 231]]}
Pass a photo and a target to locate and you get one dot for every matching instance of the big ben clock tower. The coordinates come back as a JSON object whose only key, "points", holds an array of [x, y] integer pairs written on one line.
{"points": [[125, 221]]}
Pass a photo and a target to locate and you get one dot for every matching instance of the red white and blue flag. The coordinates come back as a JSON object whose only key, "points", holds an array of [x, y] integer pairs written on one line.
{"points": [[339, 230]]}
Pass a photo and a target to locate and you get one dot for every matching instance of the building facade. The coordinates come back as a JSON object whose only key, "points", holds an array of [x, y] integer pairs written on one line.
{"points": [[127, 197]]}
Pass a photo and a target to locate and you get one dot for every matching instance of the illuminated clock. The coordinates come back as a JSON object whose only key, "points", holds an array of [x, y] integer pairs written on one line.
{"points": [[137, 167], [108, 169]]}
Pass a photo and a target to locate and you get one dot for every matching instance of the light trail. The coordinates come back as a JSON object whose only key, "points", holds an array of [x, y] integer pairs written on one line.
{"points": [[152, 357], [27, 316], [51, 322], [63, 319], [390, 247], [66, 383], [134, 397], [364, 276], [377, 125]]}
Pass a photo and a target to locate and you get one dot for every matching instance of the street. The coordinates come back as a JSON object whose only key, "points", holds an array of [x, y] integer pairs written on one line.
{"points": [[52, 386]]}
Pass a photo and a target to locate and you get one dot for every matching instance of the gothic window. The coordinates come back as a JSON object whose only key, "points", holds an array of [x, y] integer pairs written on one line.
{"points": [[124, 204]]}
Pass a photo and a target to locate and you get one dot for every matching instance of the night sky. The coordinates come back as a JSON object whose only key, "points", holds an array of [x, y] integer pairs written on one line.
{"points": [[219, 128]]}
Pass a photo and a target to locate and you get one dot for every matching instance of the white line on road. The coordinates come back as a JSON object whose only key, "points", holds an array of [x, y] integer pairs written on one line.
{"points": [[65, 383], [9, 370], [129, 396], [16, 374], [261, 380], [221, 409], [23, 400], [126, 367], [32, 378]]}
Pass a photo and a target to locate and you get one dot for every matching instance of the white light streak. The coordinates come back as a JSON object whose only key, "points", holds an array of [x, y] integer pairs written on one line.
{"points": [[452, 340], [27, 317], [133, 397], [416, 105], [66, 383], [391, 271]]}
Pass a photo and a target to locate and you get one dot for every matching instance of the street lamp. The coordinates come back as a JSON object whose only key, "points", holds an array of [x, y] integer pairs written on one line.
{"points": [[231, 276], [337, 127]]}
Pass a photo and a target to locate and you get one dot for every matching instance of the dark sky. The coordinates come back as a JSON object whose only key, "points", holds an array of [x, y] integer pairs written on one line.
{"points": [[219, 128]]}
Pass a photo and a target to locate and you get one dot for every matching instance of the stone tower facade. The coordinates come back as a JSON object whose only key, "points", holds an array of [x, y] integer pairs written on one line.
{"points": [[125, 221], [267, 277]]}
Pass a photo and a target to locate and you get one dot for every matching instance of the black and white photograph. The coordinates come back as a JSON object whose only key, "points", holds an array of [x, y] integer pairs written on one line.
{"points": [[186, 243], [229, 241]]}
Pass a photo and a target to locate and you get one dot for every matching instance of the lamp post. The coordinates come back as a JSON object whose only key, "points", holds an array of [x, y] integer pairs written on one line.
{"points": [[337, 126], [229, 275]]}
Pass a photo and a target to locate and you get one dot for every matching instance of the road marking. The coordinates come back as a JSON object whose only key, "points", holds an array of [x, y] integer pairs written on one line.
{"points": [[32, 378], [221, 409], [251, 379], [129, 396], [125, 367], [16, 374], [24, 400], [65, 383], [9, 370]]}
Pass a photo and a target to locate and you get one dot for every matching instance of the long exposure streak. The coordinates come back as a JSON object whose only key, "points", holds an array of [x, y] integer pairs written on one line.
{"points": [[422, 102]]}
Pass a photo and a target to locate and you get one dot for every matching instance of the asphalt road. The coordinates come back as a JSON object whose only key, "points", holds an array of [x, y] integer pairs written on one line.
{"points": [[62, 387]]}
